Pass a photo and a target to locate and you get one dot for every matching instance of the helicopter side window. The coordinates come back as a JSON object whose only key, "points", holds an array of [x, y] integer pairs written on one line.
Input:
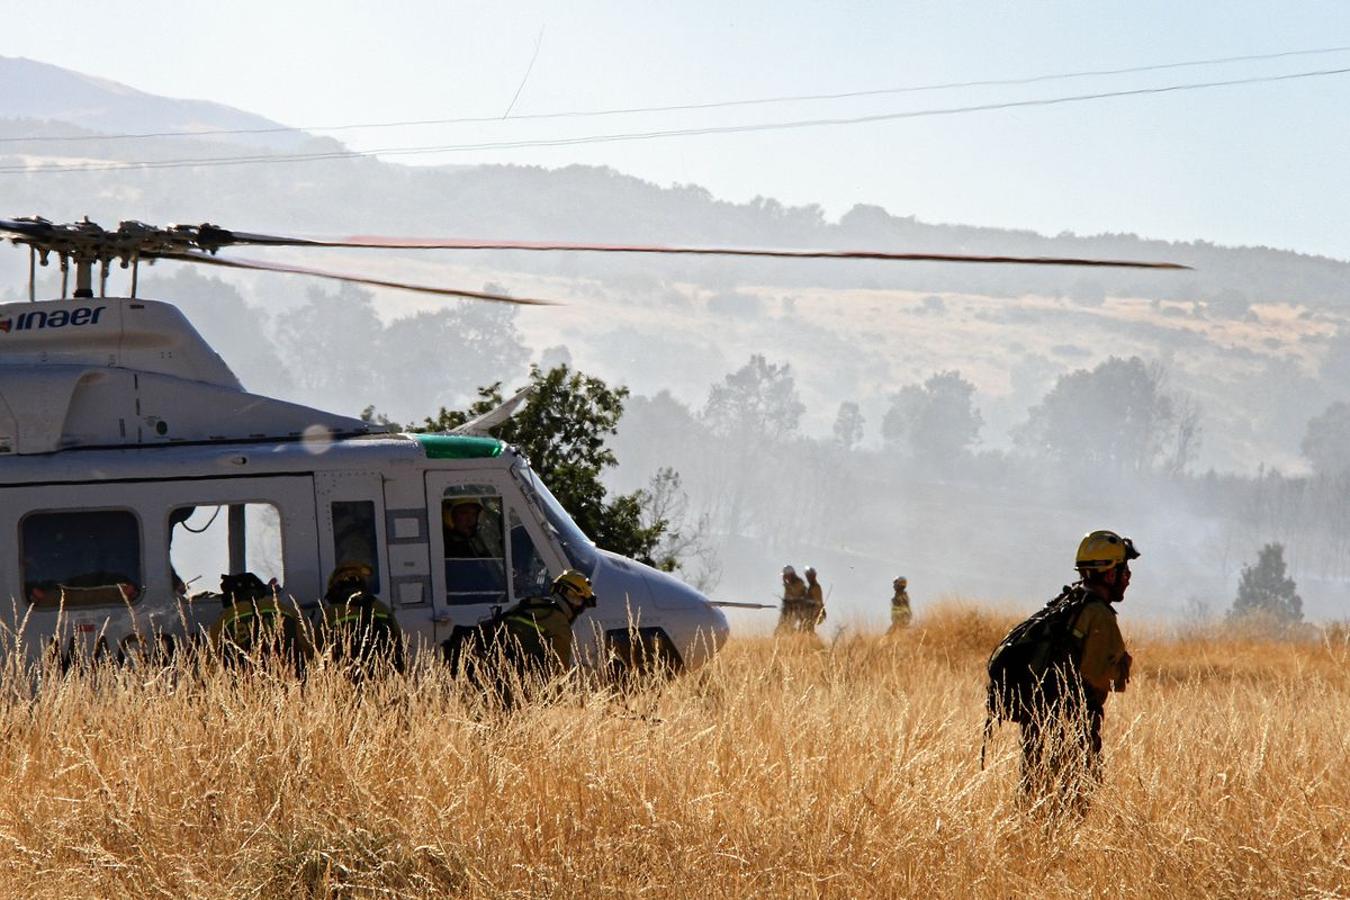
{"points": [[84, 558], [475, 556], [200, 538]]}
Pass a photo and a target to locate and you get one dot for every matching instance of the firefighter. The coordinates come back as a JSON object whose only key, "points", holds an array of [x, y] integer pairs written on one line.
{"points": [[360, 630], [255, 623], [813, 610], [1062, 740], [519, 650], [462, 540], [794, 598], [901, 614], [540, 628]]}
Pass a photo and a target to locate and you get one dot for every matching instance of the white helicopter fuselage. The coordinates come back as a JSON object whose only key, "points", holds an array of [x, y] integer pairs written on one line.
{"points": [[135, 470]]}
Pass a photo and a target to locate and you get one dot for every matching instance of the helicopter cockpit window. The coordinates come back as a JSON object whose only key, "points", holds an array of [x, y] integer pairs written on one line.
{"points": [[579, 548], [85, 558], [354, 536], [475, 557], [529, 574], [200, 538]]}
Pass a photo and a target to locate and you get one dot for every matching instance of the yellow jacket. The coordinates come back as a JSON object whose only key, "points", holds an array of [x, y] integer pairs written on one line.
{"points": [[901, 613], [543, 630], [1104, 663]]}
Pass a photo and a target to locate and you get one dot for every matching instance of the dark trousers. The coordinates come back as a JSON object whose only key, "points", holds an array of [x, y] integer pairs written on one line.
{"points": [[1061, 756]]}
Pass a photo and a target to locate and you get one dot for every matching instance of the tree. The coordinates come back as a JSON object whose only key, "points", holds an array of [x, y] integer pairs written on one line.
{"points": [[1266, 590], [937, 420], [757, 401], [682, 545], [1326, 443], [562, 430], [848, 425], [1117, 417], [328, 345], [754, 409], [444, 354]]}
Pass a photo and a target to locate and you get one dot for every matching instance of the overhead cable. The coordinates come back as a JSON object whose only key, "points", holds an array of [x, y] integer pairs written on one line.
{"points": [[205, 162], [688, 107]]}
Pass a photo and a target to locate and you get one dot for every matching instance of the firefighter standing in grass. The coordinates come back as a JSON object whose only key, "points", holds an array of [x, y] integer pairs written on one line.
{"points": [[1062, 738], [813, 611], [901, 614], [794, 598]]}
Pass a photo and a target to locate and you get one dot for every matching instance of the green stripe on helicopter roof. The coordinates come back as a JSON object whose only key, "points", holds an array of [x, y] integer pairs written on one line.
{"points": [[458, 446]]}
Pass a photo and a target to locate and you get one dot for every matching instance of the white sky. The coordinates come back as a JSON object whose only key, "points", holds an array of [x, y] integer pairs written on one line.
{"points": [[1256, 164]]}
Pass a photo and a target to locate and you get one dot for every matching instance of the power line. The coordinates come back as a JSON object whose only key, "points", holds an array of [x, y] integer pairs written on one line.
{"points": [[689, 107], [205, 162]]}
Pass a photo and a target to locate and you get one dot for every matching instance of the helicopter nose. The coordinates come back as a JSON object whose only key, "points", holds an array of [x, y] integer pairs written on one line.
{"points": [[698, 628]]}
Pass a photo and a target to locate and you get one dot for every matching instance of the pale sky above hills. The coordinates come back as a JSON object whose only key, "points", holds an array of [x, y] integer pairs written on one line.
{"points": [[1254, 164]]}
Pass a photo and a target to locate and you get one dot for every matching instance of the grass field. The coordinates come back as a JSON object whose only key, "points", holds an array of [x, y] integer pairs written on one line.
{"points": [[848, 769]]}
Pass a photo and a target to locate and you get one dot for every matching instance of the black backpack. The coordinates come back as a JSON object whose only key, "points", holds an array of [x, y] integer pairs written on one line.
{"points": [[1034, 665]]}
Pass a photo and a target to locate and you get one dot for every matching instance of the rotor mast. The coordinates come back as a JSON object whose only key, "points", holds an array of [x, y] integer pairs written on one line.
{"points": [[86, 244]]}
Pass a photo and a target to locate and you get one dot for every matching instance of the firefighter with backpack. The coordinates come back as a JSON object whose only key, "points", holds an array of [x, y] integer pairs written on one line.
{"points": [[525, 645], [255, 624], [1053, 673]]}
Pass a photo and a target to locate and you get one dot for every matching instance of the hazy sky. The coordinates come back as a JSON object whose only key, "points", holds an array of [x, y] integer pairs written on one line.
{"points": [[1258, 164]]}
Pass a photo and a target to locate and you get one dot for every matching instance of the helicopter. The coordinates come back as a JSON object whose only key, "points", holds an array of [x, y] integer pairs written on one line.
{"points": [[130, 453]]}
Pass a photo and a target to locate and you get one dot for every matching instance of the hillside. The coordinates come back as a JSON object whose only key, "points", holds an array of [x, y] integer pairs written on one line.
{"points": [[50, 95]]}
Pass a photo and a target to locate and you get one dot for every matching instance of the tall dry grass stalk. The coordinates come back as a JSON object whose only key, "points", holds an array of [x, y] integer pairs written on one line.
{"points": [[848, 769]]}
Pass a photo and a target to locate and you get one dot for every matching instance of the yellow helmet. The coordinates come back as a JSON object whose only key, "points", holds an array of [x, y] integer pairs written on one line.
{"points": [[350, 571], [900, 582], [1101, 551], [575, 588]]}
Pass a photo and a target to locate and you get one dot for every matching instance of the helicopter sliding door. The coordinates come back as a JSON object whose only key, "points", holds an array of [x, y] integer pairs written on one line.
{"points": [[490, 552]]}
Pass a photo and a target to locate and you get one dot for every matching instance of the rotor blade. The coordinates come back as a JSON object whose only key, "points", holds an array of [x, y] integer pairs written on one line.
{"points": [[483, 424], [355, 279], [400, 243], [22, 228]]}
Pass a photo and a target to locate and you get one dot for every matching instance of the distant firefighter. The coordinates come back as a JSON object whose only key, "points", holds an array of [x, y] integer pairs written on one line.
{"points": [[813, 612], [901, 614], [794, 601]]}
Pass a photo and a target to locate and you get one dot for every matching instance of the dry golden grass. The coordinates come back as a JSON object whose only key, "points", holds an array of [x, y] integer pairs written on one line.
{"points": [[785, 769]]}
